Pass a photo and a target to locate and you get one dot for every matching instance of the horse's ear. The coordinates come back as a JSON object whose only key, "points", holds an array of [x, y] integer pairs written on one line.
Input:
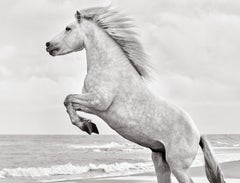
{"points": [[78, 16]]}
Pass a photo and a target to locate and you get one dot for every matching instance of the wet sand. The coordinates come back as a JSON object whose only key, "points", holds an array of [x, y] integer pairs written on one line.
{"points": [[231, 171]]}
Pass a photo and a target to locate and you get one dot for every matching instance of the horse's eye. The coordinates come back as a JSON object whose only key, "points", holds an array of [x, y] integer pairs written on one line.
{"points": [[68, 28]]}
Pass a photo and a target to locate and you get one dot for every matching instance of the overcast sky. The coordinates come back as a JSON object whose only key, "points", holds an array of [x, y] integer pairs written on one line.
{"points": [[194, 46]]}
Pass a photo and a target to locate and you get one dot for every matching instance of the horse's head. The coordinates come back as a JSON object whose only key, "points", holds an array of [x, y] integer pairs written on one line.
{"points": [[69, 40]]}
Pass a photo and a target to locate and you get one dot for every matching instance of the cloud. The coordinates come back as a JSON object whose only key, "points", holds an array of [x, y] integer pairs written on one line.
{"points": [[183, 89], [196, 55], [7, 52], [4, 72]]}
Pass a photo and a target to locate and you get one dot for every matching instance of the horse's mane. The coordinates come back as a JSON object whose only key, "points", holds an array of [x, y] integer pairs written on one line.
{"points": [[118, 26]]}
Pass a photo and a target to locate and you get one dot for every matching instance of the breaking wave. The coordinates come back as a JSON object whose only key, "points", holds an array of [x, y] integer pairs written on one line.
{"points": [[100, 146], [109, 146], [69, 169]]}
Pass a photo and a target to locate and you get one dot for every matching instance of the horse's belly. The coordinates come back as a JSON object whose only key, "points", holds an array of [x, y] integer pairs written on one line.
{"points": [[139, 130], [141, 138]]}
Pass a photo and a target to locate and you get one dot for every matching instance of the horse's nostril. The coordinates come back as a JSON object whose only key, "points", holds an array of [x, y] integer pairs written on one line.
{"points": [[47, 44]]}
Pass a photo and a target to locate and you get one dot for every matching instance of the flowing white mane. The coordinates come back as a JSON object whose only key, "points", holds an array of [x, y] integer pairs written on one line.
{"points": [[118, 26]]}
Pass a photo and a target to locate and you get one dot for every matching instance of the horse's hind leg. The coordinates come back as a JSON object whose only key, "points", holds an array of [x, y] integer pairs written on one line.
{"points": [[161, 167], [182, 175], [179, 167]]}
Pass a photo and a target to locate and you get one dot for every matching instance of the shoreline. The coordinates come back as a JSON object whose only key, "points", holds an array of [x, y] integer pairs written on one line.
{"points": [[230, 169]]}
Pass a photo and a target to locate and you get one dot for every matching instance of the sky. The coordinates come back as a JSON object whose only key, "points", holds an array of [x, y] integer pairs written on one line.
{"points": [[193, 46]]}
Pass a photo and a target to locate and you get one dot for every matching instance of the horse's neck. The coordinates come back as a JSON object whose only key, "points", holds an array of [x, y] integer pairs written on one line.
{"points": [[103, 53]]}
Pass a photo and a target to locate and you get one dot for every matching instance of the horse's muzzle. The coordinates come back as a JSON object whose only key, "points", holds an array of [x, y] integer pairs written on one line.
{"points": [[51, 49]]}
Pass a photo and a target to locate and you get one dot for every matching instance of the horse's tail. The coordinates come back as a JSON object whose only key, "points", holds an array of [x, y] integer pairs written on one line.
{"points": [[212, 169]]}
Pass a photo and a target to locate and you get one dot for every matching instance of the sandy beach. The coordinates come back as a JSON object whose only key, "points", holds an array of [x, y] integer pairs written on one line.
{"points": [[231, 171]]}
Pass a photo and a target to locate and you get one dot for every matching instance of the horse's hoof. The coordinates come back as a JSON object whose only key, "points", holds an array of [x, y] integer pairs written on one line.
{"points": [[90, 128], [94, 128], [87, 128]]}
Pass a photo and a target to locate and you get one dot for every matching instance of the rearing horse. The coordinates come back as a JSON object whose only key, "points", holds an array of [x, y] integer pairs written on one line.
{"points": [[115, 91]]}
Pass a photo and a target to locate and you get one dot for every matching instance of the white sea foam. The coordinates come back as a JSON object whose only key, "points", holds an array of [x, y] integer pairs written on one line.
{"points": [[236, 145], [97, 150], [69, 169], [95, 146], [40, 171], [102, 170]]}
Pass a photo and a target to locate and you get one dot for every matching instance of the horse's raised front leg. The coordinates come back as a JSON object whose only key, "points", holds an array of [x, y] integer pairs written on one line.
{"points": [[81, 122], [161, 168], [88, 102]]}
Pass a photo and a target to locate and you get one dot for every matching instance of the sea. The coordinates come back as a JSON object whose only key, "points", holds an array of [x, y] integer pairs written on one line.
{"points": [[51, 158]]}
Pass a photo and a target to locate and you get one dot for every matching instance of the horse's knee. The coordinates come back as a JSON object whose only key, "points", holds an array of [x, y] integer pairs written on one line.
{"points": [[66, 101]]}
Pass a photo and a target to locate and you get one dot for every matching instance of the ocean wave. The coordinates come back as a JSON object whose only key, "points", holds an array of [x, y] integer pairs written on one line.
{"points": [[100, 170], [127, 147], [220, 156], [69, 169], [236, 145], [66, 169], [100, 146]]}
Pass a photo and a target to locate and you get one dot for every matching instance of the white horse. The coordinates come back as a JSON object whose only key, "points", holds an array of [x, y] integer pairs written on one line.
{"points": [[115, 91]]}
